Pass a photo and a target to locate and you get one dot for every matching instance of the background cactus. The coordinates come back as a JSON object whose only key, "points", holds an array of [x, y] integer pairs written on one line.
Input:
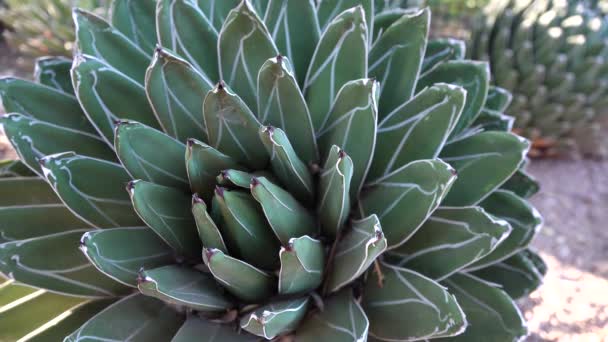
{"points": [[552, 55], [320, 173]]}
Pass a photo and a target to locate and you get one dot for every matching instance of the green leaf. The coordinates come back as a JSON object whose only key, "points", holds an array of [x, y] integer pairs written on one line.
{"points": [[208, 231], [522, 184], [26, 191], [274, 319], [474, 77], [176, 91], [396, 58], [197, 329], [408, 306], [329, 10], [484, 162], [11, 291], [244, 44], [352, 126], [113, 252], [151, 155], [356, 252], [232, 128], [523, 218], [107, 96], [245, 230], [97, 38], [498, 99], [286, 165], [418, 129], [14, 168], [450, 240], [536, 259], [240, 179], [103, 203], [281, 103], [342, 320], [383, 20], [295, 29], [287, 217], [489, 120], [239, 278], [217, 11], [54, 72], [405, 198], [134, 318], [334, 187], [302, 264], [34, 139], [167, 211], [184, 286], [340, 56], [53, 262], [491, 314], [135, 19], [441, 50], [189, 31]]}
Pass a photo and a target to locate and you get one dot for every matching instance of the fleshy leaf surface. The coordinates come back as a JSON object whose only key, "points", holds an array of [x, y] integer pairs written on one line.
{"points": [[276, 318], [302, 265]]}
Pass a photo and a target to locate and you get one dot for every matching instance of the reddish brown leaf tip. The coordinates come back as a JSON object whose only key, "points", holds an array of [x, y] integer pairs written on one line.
{"points": [[255, 182], [219, 191]]}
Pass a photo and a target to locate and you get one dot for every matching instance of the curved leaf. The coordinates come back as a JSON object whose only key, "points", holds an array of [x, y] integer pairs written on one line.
{"points": [[197, 329], [217, 11], [522, 184], [441, 50], [135, 19], [207, 229], [334, 187], [498, 99], [14, 168], [276, 318], [302, 264], [54, 72], [26, 191], [328, 10]]}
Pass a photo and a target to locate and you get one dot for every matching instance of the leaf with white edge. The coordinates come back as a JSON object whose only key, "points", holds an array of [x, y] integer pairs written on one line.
{"points": [[489, 120], [396, 58], [405, 198], [498, 99], [523, 218], [136, 20], [26, 191], [334, 187], [382, 21], [245, 229], [113, 252], [11, 291], [418, 129], [239, 278], [151, 155], [295, 29], [176, 92], [54, 72], [14, 168], [355, 252], [187, 30], [536, 259], [491, 313], [208, 231], [328, 10], [240, 179], [217, 10], [302, 264], [352, 126], [450, 240], [244, 44], [133, 318], [473, 76], [232, 128], [97, 38], [441, 50], [198, 329], [108, 96], [52, 262], [103, 203], [522, 184], [281, 104], [184, 286], [286, 165], [484, 162], [340, 56], [167, 211], [274, 319], [260, 6], [342, 320]]}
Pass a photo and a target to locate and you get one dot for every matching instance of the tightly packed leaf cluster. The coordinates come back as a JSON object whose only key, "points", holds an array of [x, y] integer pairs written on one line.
{"points": [[263, 170], [552, 55]]}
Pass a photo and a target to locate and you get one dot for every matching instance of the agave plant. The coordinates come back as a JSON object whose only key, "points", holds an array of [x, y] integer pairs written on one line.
{"points": [[552, 55], [325, 173]]}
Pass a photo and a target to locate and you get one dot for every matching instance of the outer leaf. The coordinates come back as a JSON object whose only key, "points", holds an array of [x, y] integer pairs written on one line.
{"points": [[450, 240], [26, 191], [498, 99], [356, 252], [10, 292], [334, 187], [14, 168], [176, 92], [239, 278], [185, 287], [134, 318], [302, 264], [135, 19], [490, 120], [522, 184], [275, 319], [54, 72], [484, 162], [197, 329], [207, 229], [342, 320], [103, 203], [409, 306], [328, 10], [536, 259], [441, 50], [151, 155], [340, 56], [217, 11], [115, 254], [404, 199], [167, 211], [244, 44]]}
